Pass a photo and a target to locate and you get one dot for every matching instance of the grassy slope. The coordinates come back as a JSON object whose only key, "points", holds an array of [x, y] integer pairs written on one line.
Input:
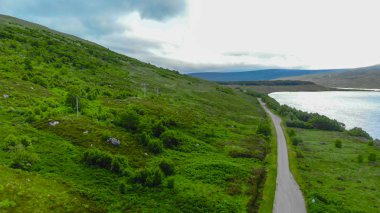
{"points": [[333, 176], [39, 69]]}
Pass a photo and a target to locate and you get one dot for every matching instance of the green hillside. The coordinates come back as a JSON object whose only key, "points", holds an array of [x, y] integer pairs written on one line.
{"points": [[185, 144]]}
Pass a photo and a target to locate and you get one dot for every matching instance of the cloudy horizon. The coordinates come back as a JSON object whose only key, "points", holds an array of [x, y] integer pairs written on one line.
{"points": [[219, 35]]}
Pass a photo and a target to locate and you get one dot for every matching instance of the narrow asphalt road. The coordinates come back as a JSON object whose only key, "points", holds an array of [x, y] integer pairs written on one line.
{"points": [[288, 197]]}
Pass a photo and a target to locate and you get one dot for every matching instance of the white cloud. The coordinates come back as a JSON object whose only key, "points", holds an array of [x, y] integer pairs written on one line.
{"points": [[248, 34]]}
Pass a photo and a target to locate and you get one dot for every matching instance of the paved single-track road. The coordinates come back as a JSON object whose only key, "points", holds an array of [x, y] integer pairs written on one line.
{"points": [[288, 197]]}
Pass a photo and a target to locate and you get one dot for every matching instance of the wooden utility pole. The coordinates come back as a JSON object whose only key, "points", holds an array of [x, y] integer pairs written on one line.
{"points": [[77, 106], [158, 91], [144, 89]]}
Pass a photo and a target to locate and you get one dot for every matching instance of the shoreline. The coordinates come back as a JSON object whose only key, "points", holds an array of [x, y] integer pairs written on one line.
{"points": [[355, 89], [375, 137]]}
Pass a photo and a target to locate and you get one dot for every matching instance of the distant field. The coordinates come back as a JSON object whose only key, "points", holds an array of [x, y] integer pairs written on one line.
{"points": [[332, 176]]}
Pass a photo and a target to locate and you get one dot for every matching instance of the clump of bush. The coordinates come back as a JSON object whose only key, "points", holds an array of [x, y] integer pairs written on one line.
{"points": [[360, 158], [114, 163], [359, 132], [167, 167], [23, 159], [263, 129], [296, 141], [144, 138], [21, 152], [338, 143], [239, 152], [148, 177], [171, 183], [372, 157], [291, 133], [155, 145], [129, 119], [171, 138]]}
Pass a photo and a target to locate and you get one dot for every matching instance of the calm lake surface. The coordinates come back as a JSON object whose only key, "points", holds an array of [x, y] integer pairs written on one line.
{"points": [[361, 109]]}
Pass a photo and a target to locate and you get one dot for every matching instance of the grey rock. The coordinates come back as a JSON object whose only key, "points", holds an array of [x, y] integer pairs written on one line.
{"points": [[113, 141], [53, 123]]}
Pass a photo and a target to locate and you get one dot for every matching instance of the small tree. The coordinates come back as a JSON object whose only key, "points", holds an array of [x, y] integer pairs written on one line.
{"points": [[263, 129], [360, 158], [291, 133], [372, 157], [155, 145], [296, 141], [171, 183], [167, 167], [129, 120], [338, 143]]}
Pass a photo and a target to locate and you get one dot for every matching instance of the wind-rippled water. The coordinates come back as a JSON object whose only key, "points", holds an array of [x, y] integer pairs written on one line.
{"points": [[354, 109]]}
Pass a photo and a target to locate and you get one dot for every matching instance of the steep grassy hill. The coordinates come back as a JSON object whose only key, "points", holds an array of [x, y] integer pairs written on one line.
{"points": [[185, 144], [366, 77]]}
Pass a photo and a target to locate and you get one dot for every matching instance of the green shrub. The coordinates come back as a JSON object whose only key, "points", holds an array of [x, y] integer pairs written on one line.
{"points": [[122, 188], [106, 134], [359, 132], [119, 164], [23, 159], [129, 120], [372, 157], [10, 142], [158, 128], [167, 167], [263, 129], [144, 138], [291, 133], [371, 143], [26, 141], [239, 152], [97, 158], [296, 141], [171, 138], [148, 177], [6, 204], [155, 145], [171, 183], [338, 143], [324, 123], [360, 158]]}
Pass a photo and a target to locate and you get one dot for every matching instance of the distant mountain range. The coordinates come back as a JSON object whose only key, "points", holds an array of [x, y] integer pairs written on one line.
{"points": [[258, 75], [365, 77]]}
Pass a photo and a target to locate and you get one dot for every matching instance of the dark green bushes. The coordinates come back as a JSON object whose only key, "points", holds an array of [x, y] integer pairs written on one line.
{"points": [[296, 141], [264, 129], [171, 138], [114, 163], [148, 177], [167, 167], [155, 145], [338, 143], [129, 119], [299, 119], [359, 132], [372, 157]]}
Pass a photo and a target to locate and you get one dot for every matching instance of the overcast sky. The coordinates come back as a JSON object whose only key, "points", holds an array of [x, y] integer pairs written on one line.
{"points": [[220, 35]]}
